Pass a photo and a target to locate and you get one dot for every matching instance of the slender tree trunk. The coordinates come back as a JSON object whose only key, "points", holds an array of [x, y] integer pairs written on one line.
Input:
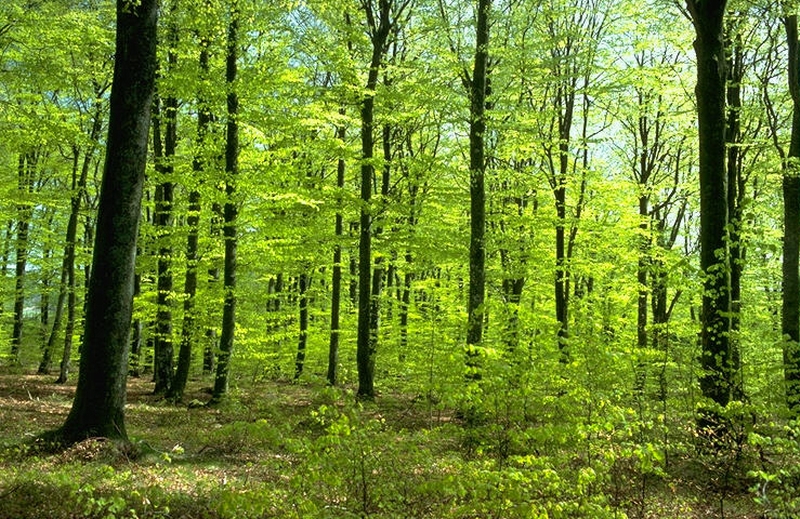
{"points": [[408, 278], [189, 325], [212, 340], [302, 340], [26, 164], [790, 316], [46, 363], [230, 212], [353, 289], [99, 405], [68, 261], [717, 379], [365, 352], [476, 311], [336, 276], [163, 369]]}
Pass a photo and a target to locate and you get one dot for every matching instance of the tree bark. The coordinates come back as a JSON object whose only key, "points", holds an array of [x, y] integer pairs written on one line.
{"points": [[230, 213], [365, 352], [163, 368], [336, 276], [790, 315], [302, 339], [716, 359], [27, 162], [189, 325], [99, 405], [733, 136], [477, 191]]}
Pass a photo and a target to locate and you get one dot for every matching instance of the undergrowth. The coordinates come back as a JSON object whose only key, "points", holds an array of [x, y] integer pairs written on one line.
{"points": [[283, 450]]}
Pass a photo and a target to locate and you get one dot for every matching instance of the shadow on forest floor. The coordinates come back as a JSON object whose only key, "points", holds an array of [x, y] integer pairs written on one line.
{"points": [[276, 449]]}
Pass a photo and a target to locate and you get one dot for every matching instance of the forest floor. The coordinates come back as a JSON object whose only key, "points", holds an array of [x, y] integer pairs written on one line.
{"points": [[277, 449]]}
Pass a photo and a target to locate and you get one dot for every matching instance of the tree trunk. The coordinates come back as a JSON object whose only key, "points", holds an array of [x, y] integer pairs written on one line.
{"points": [[230, 212], [163, 350], [790, 316], [27, 162], [302, 339], [189, 325], [477, 192], [163, 368], [365, 353], [733, 136], [336, 276], [99, 405], [717, 378], [68, 261]]}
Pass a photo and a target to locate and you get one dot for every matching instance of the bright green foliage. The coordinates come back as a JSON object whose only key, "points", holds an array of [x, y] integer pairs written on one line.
{"points": [[577, 432]]}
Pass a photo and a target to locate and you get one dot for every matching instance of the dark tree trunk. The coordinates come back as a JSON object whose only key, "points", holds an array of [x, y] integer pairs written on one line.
{"points": [[68, 261], [336, 276], [716, 380], [353, 291], [790, 316], [163, 349], [302, 339], [46, 363], [733, 136], [408, 278], [189, 325], [163, 369], [99, 405], [365, 353], [27, 162], [477, 192], [230, 213]]}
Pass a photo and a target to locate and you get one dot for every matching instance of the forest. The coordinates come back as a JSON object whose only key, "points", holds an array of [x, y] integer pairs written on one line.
{"points": [[399, 258]]}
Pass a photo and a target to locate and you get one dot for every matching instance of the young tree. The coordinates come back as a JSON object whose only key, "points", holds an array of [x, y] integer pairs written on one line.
{"points": [[99, 405]]}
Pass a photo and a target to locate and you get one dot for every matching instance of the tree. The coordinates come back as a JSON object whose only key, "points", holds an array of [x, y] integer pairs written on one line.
{"points": [[790, 315], [477, 83], [379, 24], [99, 405], [716, 359], [230, 211], [164, 152], [199, 165]]}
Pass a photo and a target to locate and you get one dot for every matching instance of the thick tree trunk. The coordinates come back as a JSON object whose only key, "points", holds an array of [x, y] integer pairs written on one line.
{"points": [[99, 405], [717, 379], [476, 310], [733, 136], [230, 213], [790, 316]]}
